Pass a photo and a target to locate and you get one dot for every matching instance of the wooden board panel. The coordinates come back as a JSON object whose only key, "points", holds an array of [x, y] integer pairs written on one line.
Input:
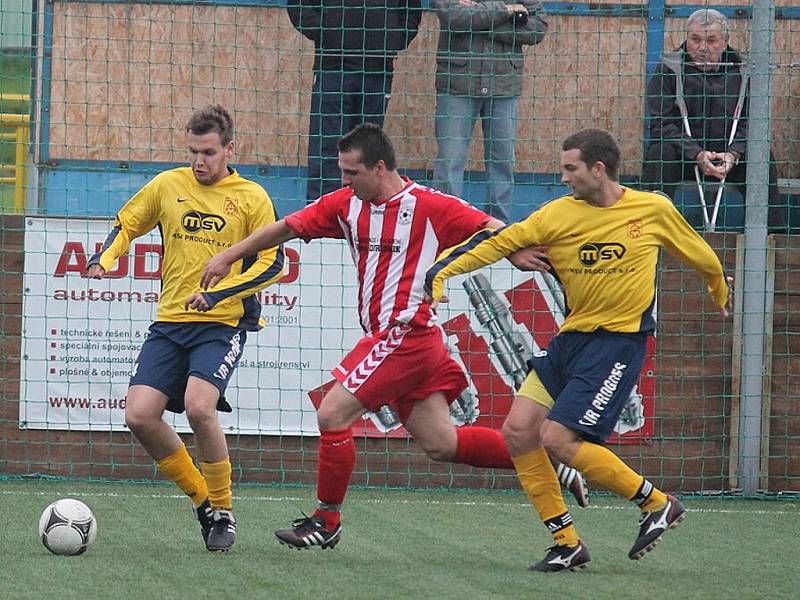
{"points": [[587, 72], [125, 78]]}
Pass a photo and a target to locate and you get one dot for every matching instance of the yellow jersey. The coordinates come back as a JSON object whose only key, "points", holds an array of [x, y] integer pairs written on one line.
{"points": [[604, 257], [196, 222]]}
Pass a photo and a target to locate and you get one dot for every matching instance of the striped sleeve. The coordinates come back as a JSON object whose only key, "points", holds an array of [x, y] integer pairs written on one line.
{"points": [[484, 248], [259, 270], [256, 274], [138, 216]]}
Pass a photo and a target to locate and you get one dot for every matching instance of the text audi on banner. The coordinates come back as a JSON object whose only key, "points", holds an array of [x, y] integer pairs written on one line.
{"points": [[81, 338]]}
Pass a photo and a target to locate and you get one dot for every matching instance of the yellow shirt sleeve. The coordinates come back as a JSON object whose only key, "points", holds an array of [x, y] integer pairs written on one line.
{"points": [[137, 217], [484, 248], [605, 258], [685, 243], [268, 268]]}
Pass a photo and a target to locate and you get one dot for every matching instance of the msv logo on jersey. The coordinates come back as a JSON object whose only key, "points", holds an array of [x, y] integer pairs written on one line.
{"points": [[194, 221], [590, 254]]}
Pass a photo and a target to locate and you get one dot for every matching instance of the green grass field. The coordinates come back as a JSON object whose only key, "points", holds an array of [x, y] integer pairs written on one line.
{"points": [[396, 544]]}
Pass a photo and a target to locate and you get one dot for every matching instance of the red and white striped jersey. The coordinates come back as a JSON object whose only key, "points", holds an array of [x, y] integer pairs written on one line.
{"points": [[393, 242]]}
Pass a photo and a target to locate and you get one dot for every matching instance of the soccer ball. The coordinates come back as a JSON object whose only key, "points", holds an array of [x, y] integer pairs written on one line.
{"points": [[67, 527]]}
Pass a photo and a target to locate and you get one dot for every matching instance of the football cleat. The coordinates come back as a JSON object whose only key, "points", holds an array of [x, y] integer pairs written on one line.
{"points": [[563, 558], [652, 526], [307, 532], [223, 531], [204, 514], [572, 480]]}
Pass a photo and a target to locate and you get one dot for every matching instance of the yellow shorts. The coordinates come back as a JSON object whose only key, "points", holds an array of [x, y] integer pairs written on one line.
{"points": [[533, 388]]}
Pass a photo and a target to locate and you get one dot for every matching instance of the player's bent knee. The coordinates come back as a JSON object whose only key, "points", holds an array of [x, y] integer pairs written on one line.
{"points": [[199, 415], [556, 443], [549, 439], [331, 421], [519, 439], [440, 451], [131, 421], [140, 420]]}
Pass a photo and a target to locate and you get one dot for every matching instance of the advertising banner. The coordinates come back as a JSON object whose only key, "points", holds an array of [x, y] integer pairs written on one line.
{"points": [[81, 337]]}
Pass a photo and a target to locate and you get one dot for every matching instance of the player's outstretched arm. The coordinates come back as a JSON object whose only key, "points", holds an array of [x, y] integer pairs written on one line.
{"points": [[532, 258], [484, 248], [268, 236]]}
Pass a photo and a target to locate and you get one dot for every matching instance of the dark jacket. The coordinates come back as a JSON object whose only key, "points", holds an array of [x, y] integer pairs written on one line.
{"points": [[480, 46], [356, 35], [711, 99]]}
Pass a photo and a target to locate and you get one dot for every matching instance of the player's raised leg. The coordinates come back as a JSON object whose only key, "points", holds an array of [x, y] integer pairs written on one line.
{"points": [[337, 458], [423, 406], [429, 424]]}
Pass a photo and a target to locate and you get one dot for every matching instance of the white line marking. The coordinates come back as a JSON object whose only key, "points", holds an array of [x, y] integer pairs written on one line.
{"points": [[389, 500]]}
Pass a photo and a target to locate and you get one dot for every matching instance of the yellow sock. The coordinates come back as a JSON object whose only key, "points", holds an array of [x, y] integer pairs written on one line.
{"points": [[180, 468], [218, 478], [602, 466], [539, 480]]}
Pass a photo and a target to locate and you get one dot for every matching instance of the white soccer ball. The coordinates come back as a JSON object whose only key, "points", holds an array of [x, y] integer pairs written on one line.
{"points": [[67, 527]]}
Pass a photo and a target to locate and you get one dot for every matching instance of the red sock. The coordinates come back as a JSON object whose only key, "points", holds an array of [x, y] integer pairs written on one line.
{"points": [[337, 457], [482, 447]]}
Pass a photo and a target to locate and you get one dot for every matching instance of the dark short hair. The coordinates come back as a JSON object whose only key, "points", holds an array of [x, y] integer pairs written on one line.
{"points": [[212, 118], [596, 145], [373, 144]]}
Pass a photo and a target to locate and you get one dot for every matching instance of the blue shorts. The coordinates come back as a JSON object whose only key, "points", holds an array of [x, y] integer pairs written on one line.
{"points": [[590, 376], [174, 351]]}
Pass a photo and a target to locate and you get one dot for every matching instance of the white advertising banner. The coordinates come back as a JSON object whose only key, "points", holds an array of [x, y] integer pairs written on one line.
{"points": [[80, 337]]}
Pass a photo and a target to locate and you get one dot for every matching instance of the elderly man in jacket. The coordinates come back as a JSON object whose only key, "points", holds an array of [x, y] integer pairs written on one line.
{"points": [[698, 99], [479, 68]]}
